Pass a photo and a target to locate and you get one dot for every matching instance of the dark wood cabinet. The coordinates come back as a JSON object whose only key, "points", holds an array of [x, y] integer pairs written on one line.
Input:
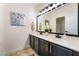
{"points": [[31, 41], [75, 53], [36, 44], [57, 50], [43, 48]]}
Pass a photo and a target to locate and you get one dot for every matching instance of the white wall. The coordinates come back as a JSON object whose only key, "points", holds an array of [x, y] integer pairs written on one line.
{"points": [[70, 12], [16, 37]]}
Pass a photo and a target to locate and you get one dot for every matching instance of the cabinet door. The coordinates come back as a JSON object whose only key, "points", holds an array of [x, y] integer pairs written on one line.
{"points": [[43, 47], [36, 44], [75, 53], [31, 41], [57, 50]]}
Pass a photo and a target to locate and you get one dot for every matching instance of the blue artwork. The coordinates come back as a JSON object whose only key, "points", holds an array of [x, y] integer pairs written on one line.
{"points": [[17, 19]]}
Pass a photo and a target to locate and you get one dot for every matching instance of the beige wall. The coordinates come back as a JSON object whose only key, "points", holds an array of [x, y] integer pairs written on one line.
{"points": [[1, 27], [16, 37]]}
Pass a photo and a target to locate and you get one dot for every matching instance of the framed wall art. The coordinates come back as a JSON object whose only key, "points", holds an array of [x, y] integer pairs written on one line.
{"points": [[17, 19]]}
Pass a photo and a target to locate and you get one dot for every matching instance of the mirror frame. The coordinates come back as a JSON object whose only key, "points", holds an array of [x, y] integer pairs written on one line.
{"points": [[55, 32]]}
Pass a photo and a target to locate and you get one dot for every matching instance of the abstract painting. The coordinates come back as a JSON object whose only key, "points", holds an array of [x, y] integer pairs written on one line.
{"points": [[17, 19]]}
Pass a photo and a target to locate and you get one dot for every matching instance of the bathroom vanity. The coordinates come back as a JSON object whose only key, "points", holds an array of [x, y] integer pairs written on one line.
{"points": [[61, 19], [51, 46]]}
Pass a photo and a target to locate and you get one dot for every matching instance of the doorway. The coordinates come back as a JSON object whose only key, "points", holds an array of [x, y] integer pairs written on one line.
{"points": [[60, 24]]}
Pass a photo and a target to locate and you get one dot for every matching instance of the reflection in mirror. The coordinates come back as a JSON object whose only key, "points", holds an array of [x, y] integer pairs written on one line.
{"points": [[60, 25], [61, 19]]}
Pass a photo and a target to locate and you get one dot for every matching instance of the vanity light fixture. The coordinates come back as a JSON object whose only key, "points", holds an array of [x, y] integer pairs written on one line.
{"points": [[46, 7], [39, 14], [42, 9], [54, 3], [45, 12], [59, 5], [49, 10], [53, 8], [64, 3], [50, 7]]}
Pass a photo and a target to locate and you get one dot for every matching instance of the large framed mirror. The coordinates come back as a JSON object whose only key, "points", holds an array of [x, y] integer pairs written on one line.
{"points": [[61, 19]]}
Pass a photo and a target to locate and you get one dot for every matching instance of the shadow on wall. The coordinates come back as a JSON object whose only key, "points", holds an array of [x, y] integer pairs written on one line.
{"points": [[27, 43]]}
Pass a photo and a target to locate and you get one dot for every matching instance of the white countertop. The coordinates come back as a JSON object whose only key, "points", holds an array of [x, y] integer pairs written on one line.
{"points": [[66, 41]]}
